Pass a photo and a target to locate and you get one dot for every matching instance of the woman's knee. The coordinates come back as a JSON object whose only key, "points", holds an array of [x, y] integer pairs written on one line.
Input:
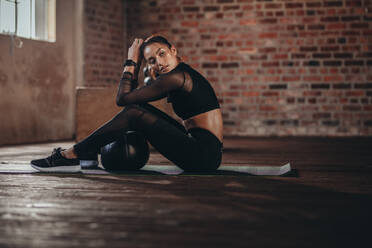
{"points": [[130, 111]]}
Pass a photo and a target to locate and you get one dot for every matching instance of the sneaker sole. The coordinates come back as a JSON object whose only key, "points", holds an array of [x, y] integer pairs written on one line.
{"points": [[88, 163], [70, 168]]}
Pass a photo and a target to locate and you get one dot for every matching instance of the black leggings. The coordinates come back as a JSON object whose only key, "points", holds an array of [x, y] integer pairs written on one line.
{"points": [[195, 150]]}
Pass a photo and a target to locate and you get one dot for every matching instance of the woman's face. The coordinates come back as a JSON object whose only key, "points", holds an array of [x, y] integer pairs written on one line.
{"points": [[160, 57]]}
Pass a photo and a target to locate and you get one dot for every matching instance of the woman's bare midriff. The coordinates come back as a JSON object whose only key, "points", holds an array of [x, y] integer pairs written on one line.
{"points": [[211, 120]]}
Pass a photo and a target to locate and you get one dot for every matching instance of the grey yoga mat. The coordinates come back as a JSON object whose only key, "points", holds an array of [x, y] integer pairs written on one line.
{"points": [[24, 167]]}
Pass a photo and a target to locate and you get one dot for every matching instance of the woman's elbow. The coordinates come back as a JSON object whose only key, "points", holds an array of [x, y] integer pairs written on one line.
{"points": [[121, 101]]}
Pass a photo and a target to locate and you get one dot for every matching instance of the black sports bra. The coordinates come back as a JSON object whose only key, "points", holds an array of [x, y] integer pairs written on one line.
{"points": [[200, 99]]}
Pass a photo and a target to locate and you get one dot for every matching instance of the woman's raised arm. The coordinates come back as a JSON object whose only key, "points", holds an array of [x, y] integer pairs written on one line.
{"points": [[154, 91]]}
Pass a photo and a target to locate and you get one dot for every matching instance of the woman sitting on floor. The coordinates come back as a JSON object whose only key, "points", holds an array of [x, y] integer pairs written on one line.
{"points": [[195, 146]]}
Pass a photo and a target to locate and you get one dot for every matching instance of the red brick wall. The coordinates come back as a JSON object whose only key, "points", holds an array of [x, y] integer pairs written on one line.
{"points": [[104, 35], [278, 67]]}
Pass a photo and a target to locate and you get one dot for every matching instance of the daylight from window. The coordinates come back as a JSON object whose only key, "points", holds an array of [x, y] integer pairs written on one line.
{"points": [[33, 19]]}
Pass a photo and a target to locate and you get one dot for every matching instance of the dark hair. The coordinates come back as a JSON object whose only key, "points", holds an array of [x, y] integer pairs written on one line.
{"points": [[155, 39]]}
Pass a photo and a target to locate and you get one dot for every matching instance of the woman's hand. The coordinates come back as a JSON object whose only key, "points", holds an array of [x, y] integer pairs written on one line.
{"points": [[134, 52]]}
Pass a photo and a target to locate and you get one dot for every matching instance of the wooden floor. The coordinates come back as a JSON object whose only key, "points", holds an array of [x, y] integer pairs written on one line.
{"points": [[329, 204]]}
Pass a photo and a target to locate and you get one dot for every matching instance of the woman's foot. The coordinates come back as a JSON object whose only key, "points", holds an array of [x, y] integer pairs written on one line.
{"points": [[56, 163], [69, 153]]}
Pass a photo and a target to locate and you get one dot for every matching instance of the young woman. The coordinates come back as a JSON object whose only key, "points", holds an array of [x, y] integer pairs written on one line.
{"points": [[195, 146]]}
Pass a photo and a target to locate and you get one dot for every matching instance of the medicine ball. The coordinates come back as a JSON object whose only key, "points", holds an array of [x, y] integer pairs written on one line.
{"points": [[130, 152]]}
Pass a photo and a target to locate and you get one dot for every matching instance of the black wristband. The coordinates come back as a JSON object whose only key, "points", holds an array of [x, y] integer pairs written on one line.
{"points": [[129, 74], [130, 62]]}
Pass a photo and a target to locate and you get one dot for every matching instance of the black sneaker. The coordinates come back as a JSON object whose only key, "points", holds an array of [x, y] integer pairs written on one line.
{"points": [[56, 163], [89, 161]]}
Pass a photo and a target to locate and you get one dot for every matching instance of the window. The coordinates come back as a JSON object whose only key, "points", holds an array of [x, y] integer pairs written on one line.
{"points": [[34, 19]]}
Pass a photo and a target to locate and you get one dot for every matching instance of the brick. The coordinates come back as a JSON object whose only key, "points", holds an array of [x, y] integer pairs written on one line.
{"points": [[291, 78], [350, 18], [258, 57], [311, 63], [191, 9], [268, 108], [316, 27], [322, 115], [312, 93], [309, 49], [289, 122], [210, 65], [270, 93], [367, 123], [293, 27], [269, 122], [353, 3], [332, 123], [219, 15], [313, 4], [268, 35], [225, 1], [190, 24], [277, 86], [270, 64], [211, 8], [231, 7], [333, 3], [312, 78], [359, 25], [231, 93], [230, 65], [298, 55], [228, 123], [268, 21], [332, 63], [363, 86], [351, 108], [367, 108], [330, 48], [321, 55], [350, 33], [320, 86], [273, 5], [209, 51], [342, 86], [218, 58], [333, 78], [354, 63], [250, 93], [310, 12], [343, 55], [330, 19], [290, 63], [301, 100], [294, 5]]}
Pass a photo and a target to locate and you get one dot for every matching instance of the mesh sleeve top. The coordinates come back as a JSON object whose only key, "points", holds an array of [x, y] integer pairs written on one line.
{"points": [[188, 91]]}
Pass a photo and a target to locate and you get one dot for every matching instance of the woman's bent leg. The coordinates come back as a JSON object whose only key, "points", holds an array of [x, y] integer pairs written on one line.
{"points": [[167, 136]]}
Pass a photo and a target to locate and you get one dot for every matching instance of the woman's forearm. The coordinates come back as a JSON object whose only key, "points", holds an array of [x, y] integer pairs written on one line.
{"points": [[129, 77], [128, 82]]}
